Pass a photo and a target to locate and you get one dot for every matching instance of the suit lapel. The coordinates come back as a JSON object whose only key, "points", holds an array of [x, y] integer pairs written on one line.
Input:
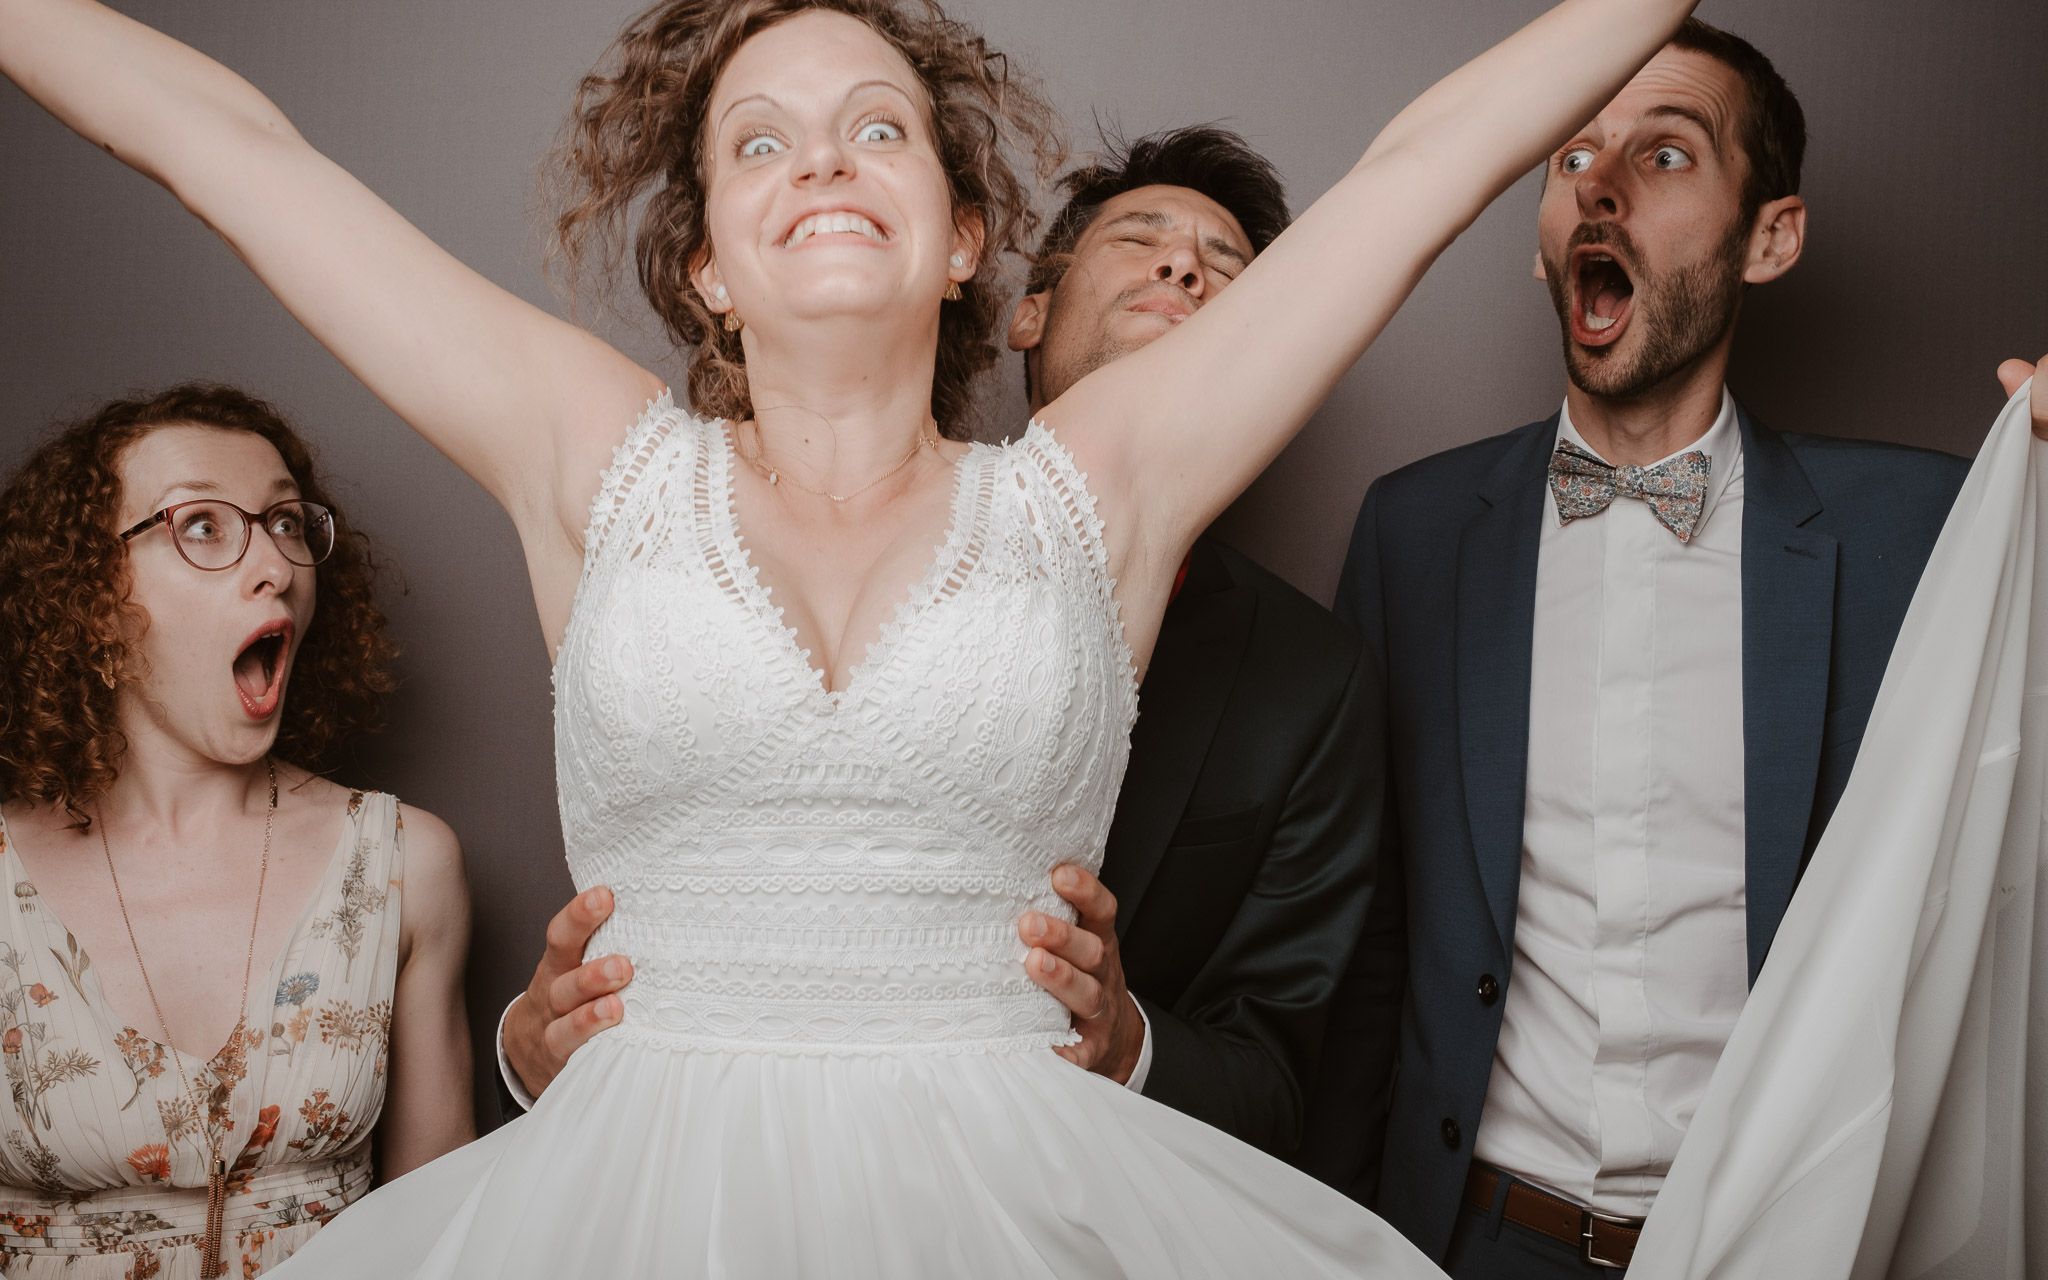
{"points": [[1194, 667], [1496, 595], [1788, 609]]}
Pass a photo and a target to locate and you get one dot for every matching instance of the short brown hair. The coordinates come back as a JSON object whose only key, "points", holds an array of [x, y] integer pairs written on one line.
{"points": [[1773, 125], [65, 611], [640, 129]]}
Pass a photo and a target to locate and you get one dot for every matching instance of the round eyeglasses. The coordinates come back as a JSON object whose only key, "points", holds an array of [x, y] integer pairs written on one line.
{"points": [[214, 535]]}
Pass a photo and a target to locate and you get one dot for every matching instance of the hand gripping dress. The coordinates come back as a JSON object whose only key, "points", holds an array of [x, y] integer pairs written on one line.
{"points": [[832, 1063]]}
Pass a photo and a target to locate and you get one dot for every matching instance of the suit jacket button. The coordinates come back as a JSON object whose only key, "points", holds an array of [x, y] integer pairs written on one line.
{"points": [[1489, 989], [1453, 1135]]}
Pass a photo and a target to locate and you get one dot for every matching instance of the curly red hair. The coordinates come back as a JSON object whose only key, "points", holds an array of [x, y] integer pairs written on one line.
{"points": [[66, 619]]}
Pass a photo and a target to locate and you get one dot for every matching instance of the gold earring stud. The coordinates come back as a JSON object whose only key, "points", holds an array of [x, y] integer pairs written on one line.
{"points": [[952, 293], [733, 323]]}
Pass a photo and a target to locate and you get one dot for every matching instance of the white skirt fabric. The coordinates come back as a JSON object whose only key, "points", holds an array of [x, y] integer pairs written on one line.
{"points": [[643, 1160], [1881, 1111]]}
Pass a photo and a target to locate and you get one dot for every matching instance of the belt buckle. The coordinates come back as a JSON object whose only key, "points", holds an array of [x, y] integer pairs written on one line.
{"points": [[1587, 1217]]}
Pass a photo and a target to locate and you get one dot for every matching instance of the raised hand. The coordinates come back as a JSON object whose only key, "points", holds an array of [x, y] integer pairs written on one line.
{"points": [[2014, 373], [527, 404], [570, 999], [1080, 964]]}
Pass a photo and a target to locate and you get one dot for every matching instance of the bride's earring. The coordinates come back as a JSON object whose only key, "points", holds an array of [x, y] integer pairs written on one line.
{"points": [[733, 323], [952, 293]]}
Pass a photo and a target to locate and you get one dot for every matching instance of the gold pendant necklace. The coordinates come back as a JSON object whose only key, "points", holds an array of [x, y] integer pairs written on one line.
{"points": [[210, 1265], [773, 476]]}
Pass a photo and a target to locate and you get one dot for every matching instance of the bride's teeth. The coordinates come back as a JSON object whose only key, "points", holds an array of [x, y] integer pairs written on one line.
{"points": [[825, 223]]}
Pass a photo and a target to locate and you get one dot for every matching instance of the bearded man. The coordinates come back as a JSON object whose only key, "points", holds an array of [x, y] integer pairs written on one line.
{"points": [[1630, 651]]}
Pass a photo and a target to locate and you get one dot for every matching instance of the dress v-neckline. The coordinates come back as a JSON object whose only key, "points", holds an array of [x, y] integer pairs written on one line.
{"points": [[81, 969], [946, 569]]}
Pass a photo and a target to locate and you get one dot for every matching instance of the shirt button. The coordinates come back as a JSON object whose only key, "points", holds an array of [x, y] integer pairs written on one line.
{"points": [[1453, 1135], [1489, 989]]}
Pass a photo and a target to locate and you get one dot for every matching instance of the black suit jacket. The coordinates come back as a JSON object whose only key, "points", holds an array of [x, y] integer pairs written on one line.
{"points": [[1244, 843], [1441, 582]]}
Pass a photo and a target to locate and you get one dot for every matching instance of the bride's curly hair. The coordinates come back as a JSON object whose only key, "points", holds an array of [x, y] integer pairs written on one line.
{"points": [[67, 623], [639, 133]]}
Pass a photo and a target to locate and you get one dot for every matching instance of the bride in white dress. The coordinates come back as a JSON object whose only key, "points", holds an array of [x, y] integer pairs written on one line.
{"points": [[824, 768]]}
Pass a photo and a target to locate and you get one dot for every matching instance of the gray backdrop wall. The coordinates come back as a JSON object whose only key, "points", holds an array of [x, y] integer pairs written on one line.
{"points": [[1928, 262]]}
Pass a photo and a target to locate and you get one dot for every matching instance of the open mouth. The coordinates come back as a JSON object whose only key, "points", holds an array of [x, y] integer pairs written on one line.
{"points": [[837, 223], [1603, 297], [259, 668]]}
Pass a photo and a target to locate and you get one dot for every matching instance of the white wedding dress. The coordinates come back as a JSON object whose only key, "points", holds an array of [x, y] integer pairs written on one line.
{"points": [[832, 1063]]}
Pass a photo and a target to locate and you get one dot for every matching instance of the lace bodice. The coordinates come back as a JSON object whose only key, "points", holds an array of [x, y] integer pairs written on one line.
{"points": [[815, 871]]}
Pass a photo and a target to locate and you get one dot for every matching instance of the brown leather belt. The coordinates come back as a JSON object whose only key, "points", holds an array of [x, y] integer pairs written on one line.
{"points": [[1601, 1239]]}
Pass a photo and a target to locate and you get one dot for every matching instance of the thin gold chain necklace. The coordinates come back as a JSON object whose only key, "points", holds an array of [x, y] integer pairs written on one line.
{"points": [[210, 1264], [773, 476]]}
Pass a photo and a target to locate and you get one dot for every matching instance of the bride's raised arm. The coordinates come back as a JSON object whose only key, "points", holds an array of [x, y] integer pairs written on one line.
{"points": [[1171, 433], [516, 397]]}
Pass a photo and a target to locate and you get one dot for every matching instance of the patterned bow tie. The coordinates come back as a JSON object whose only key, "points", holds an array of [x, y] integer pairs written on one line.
{"points": [[1585, 485]]}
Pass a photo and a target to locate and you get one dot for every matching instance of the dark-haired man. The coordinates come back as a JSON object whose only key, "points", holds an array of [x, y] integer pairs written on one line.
{"points": [[1240, 860], [1630, 651]]}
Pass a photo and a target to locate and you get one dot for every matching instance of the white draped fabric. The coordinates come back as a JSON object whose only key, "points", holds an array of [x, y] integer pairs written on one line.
{"points": [[1882, 1107]]}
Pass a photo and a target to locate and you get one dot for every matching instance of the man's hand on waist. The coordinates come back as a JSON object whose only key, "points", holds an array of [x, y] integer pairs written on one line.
{"points": [[1081, 966], [569, 1000]]}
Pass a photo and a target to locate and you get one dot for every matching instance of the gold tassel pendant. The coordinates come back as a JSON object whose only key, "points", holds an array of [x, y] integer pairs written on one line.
{"points": [[210, 1264]]}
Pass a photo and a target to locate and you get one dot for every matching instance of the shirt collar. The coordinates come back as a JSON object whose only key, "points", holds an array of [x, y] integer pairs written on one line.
{"points": [[1722, 444]]}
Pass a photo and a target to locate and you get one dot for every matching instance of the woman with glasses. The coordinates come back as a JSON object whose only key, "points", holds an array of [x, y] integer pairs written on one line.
{"points": [[166, 566]]}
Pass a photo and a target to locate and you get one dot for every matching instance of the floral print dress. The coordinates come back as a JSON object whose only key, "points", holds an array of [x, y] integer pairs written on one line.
{"points": [[103, 1155]]}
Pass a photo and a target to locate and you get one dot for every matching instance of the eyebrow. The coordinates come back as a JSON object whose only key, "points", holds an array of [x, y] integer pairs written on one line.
{"points": [[762, 97], [283, 484], [1224, 249], [1141, 218], [737, 103], [193, 486], [880, 84], [1153, 218], [1159, 220], [1673, 111]]}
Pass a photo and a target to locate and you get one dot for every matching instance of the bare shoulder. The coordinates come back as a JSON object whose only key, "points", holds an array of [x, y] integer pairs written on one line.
{"points": [[26, 821], [433, 853], [435, 908], [592, 433], [300, 790]]}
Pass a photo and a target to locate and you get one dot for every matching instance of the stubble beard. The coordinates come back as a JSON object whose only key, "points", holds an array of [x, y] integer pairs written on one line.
{"points": [[1061, 365], [1682, 314]]}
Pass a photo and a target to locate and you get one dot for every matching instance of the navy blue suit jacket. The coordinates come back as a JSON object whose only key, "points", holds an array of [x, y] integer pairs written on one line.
{"points": [[1441, 583]]}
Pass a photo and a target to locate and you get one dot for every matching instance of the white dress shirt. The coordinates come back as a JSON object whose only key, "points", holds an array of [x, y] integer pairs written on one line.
{"points": [[1631, 938]]}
